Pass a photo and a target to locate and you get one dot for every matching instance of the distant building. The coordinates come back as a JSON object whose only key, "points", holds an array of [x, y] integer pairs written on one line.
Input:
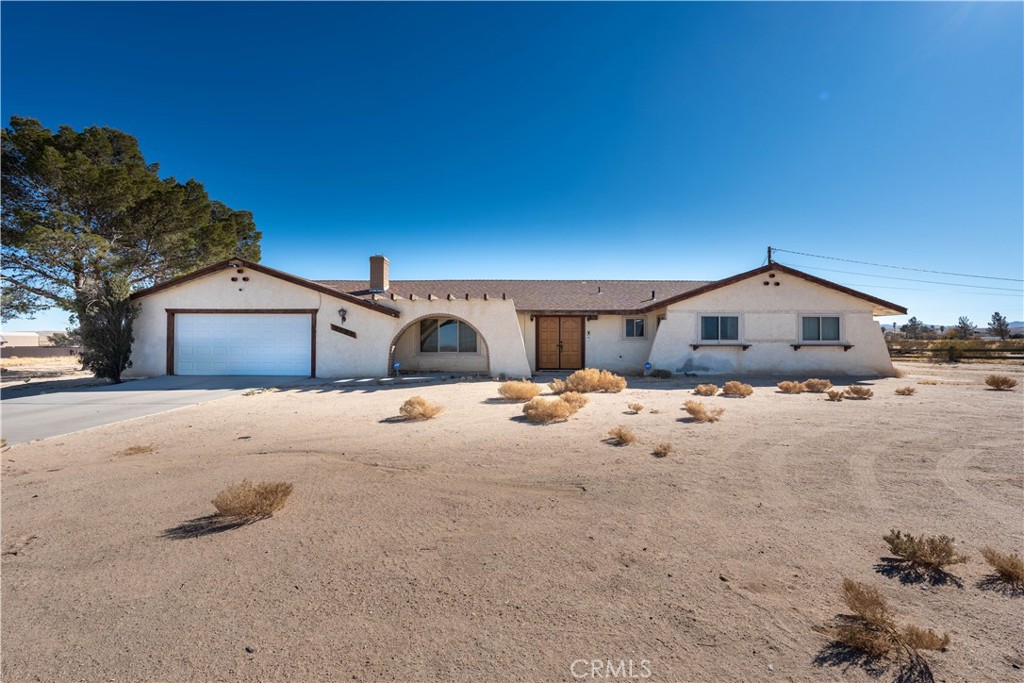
{"points": [[19, 339], [39, 338]]}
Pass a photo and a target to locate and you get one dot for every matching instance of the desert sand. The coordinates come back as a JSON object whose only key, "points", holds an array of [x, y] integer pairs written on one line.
{"points": [[476, 547]]}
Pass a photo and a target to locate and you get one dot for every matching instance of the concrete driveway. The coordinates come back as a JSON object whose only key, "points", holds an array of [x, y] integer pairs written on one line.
{"points": [[26, 418]]}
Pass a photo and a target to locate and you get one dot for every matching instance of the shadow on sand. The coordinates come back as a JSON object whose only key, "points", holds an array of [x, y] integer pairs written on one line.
{"points": [[997, 584], [911, 668], [909, 574], [205, 526]]}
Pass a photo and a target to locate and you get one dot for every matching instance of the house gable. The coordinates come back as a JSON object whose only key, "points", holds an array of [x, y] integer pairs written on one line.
{"points": [[776, 275], [225, 268]]}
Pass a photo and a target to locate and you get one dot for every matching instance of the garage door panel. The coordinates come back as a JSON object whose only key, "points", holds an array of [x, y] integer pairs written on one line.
{"points": [[242, 344]]}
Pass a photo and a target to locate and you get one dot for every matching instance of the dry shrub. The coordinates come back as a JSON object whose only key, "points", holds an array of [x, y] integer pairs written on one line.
{"points": [[873, 629], [906, 391], [557, 386], [1000, 382], [621, 436], [543, 411], [589, 379], [661, 374], [817, 386], [835, 395], [871, 632], [898, 373], [924, 553], [1009, 568], [791, 387], [419, 408], [662, 450], [252, 500], [706, 389], [859, 393], [917, 638], [635, 407], [575, 399], [519, 391], [701, 413], [137, 450], [739, 389]]}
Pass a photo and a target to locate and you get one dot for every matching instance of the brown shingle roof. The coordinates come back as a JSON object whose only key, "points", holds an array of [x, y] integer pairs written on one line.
{"points": [[591, 296], [533, 296], [597, 296]]}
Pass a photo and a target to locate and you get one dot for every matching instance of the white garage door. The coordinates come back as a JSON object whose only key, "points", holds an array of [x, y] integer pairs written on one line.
{"points": [[242, 344]]}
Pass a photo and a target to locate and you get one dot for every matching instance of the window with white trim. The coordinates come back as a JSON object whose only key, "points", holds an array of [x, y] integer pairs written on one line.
{"points": [[819, 328], [719, 327], [635, 328], [445, 335]]}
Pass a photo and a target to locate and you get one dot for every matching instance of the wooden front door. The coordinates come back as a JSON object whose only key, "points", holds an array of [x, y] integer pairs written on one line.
{"points": [[559, 342]]}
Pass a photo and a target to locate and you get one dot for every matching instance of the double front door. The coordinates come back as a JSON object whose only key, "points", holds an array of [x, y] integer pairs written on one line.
{"points": [[559, 342]]}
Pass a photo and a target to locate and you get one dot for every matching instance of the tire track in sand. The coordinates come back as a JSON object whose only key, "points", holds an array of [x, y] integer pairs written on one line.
{"points": [[950, 470]]}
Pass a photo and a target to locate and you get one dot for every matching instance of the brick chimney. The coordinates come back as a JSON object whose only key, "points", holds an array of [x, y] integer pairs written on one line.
{"points": [[379, 273]]}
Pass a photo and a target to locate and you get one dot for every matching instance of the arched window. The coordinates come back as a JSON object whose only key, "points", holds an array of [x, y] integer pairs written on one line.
{"points": [[445, 335]]}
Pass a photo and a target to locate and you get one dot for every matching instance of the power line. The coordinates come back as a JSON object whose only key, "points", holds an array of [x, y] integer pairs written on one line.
{"points": [[907, 279], [915, 289], [882, 265]]}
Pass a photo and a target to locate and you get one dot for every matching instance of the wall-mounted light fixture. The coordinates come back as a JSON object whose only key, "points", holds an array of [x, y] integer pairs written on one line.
{"points": [[343, 313]]}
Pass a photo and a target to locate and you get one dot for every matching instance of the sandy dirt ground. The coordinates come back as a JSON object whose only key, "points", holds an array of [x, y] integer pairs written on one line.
{"points": [[30, 376], [476, 547]]}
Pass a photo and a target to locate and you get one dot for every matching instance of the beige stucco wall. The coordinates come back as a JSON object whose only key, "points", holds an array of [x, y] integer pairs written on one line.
{"points": [[495, 321], [606, 345], [337, 355], [770, 323], [528, 328], [500, 346], [609, 348]]}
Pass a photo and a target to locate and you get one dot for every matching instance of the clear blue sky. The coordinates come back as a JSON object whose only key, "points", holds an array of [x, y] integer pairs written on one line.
{"points": [[569, 140]]}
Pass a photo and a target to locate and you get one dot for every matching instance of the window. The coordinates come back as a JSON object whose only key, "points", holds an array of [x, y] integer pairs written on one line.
{"points": [[720, 327], [634, 327], [441, 335], [820, 328]]}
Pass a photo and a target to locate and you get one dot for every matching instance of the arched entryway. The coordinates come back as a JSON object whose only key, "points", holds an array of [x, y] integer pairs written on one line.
{"points": [[439, 343]]}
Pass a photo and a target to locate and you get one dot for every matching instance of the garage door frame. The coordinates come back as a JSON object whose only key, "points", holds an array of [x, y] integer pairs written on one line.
{"points": [[311, 312]]}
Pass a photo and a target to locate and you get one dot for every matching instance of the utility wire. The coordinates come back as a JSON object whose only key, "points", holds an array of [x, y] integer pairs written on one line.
{"points": [[908, 279], [869, 288], [882, 265]]}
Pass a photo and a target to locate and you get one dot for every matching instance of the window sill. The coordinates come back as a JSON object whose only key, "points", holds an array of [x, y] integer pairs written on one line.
{"points": [[735, 345], [448, 353], [844, 346]]}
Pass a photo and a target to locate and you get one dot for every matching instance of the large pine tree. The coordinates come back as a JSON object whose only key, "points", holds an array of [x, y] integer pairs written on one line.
{"points": [[86, 220]]}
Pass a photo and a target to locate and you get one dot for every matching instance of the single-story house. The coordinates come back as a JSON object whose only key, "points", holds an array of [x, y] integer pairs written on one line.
{"points": [[19, 339], [241, 318]]}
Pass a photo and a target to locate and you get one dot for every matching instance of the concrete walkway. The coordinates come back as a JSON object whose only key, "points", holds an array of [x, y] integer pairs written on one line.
{"points": [[27, 418]]}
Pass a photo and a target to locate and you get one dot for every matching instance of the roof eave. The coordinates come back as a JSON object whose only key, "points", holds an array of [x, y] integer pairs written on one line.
{"points": [[880, 306], [281, 275]]}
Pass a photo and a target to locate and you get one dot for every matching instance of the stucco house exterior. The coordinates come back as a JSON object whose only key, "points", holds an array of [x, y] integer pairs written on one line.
{"points": [[243, 318]]}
